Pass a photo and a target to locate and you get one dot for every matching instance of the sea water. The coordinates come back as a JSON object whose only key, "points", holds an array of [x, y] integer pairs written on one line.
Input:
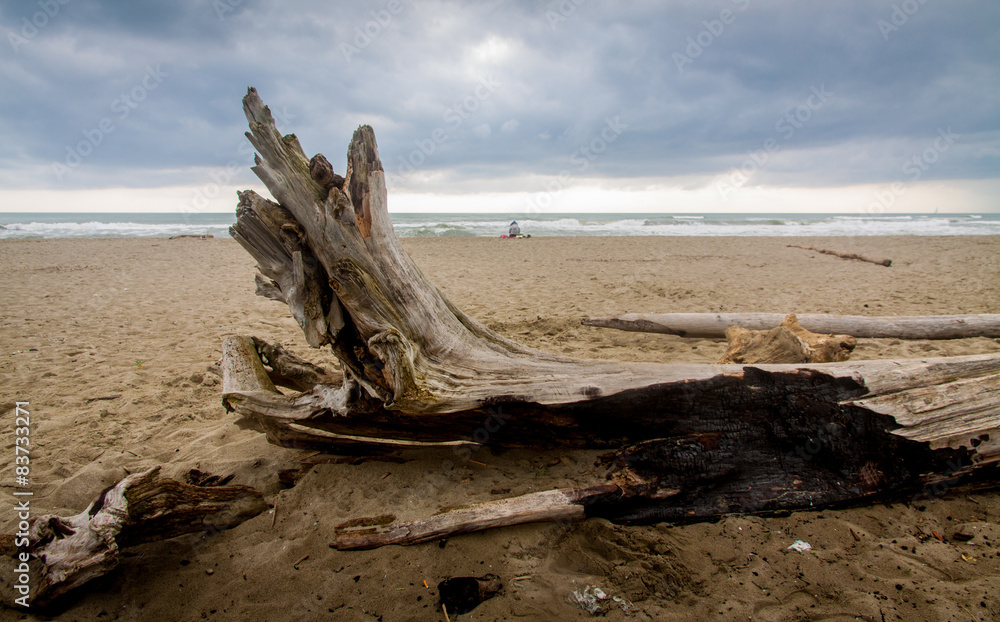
{"points": [[73, 225]]}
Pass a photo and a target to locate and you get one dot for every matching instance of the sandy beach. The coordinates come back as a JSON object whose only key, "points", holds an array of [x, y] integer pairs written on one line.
{"points": [[140, 321]]}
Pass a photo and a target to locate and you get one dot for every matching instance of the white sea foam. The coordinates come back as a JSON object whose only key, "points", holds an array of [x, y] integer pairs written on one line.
{"points": [[96, 229], [538, 225]]}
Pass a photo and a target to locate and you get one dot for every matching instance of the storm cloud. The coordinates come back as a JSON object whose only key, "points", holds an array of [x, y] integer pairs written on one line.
{"points": [[506, 96]]}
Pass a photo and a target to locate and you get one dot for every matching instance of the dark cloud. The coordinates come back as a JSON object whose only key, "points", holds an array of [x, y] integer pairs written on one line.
{"points": [[481, 91]]}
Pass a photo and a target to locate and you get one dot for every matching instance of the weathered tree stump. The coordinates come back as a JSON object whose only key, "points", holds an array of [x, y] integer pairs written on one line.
{"points": [[700, 440]]}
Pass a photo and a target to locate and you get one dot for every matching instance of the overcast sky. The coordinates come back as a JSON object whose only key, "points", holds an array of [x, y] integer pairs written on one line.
{"points": [[727, 105]]}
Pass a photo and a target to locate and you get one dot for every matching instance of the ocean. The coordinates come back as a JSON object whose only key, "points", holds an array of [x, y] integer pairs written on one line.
{"points": [[29, 225]]}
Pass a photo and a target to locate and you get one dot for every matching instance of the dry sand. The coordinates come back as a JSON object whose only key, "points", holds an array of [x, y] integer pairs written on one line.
{"points": [[143, 319]]}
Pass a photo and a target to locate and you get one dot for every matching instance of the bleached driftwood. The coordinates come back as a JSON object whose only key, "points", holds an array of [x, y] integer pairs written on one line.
{"points": [[714, 325], [143, 507], [702, 439], [551, 505]]}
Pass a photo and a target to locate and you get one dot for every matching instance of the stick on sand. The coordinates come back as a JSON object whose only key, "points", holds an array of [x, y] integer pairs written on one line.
{"points": [[880, 262]]}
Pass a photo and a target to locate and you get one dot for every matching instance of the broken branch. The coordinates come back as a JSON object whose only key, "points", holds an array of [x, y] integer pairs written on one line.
{"points": [[143, 507], [880, 262]]}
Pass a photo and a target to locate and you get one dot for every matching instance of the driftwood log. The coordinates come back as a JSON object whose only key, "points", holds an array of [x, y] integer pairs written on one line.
{"points": [[694, 441], [143, 507], [714, 325]]}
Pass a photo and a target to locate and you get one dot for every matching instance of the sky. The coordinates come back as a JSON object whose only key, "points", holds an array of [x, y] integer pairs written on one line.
{"points": [[516, 106]]}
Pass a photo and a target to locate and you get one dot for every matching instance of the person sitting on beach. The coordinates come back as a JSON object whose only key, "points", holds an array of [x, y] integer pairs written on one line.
{"points": [[514, 229]]}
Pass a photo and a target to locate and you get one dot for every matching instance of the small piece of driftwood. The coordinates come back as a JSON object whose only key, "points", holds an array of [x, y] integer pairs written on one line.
{"points": [[788, 343], [566, 504], [104, 397], [879, 262], [143, 507], [714, 325]]}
